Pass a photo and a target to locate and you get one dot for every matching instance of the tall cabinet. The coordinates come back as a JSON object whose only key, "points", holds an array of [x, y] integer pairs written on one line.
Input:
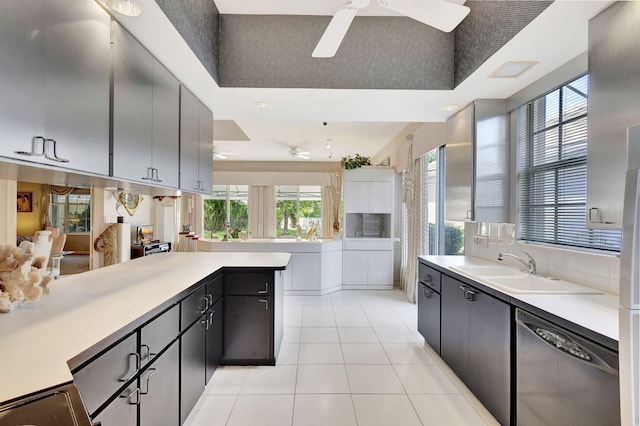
{"points": [[368, 228], [196, 144], [146, 113], [54, 81]]}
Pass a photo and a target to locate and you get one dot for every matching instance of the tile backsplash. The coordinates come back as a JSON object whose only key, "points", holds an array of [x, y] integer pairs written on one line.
{"points": [[594, 270]]}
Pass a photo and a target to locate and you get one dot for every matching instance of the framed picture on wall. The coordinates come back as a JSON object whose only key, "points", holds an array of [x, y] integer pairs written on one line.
{"points": [[24, 202]]}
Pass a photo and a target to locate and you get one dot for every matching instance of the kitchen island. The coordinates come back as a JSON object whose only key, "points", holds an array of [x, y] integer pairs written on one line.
{"points": [[315, 268], [88, 311]]}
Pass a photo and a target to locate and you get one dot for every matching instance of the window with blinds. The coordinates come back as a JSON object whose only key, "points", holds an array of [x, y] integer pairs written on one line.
{"points": [[552, 170]]}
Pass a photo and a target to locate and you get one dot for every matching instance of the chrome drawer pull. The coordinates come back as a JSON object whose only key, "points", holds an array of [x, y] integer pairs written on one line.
{"points": [[152, 372], [55, 152], [266, 303], [266, 289], [35, 152], [137, 363]]}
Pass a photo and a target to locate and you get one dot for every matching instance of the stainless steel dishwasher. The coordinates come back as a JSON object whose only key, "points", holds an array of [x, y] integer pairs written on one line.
{"points": [[562, 378]]}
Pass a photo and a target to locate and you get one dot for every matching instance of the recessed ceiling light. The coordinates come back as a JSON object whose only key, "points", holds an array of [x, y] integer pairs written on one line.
{"points": [[124, 7], [262, 105], [512, 69], [448, 108], [328, 145]]}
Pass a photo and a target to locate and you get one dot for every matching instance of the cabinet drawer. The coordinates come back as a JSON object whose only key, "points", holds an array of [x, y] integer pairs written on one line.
{"points": [[157, 335], [368, 244], [429, 276], [215, 288], [192, 307], [99, 379], [248, 283]]}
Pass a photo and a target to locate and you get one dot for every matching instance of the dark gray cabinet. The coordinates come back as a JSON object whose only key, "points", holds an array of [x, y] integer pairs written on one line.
{"points": [[476, 343], [146, 113], [196, 144], [159, 390], [122, 411], [428, 300], [54, 81], [252, 317], [201, 345]]}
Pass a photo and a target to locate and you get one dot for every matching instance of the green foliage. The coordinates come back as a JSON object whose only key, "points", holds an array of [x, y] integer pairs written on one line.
{"points": [[350, 163], [287, 211], [215, 216], [453, 239]]}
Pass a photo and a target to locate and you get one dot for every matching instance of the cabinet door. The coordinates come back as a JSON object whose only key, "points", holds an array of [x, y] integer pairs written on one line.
{"points": [[459, 165], [166, 125], [156, 335], [77, 44], [102, 377], [306, 271], [22, 76], [123, 411], [356, 197], [192, 307], [159, 391], [205, 150], [380, 267], [247, 328], [454, 338], [355, 267], [489, 375], [189, 140], [192, 368], [215, 340], [132, 101], [429, 316], [380, 197]]}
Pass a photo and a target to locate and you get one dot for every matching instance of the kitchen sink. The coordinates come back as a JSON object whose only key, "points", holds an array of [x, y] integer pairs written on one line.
{"points": [[515, 281], [488, 271]]}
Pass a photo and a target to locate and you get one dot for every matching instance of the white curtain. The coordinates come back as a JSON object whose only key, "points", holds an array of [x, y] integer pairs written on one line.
{"points": [[262, 211], [411, 226], [327, 211]]}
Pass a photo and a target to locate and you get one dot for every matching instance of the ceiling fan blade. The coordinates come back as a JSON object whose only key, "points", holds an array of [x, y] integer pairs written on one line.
{"points": [[303, 156], [220, 156], [335, 32], [439, 14]]}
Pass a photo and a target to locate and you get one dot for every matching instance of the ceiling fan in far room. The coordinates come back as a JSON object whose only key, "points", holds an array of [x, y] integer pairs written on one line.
{"points": [[441, 14], [217, 155], [294, 153]]}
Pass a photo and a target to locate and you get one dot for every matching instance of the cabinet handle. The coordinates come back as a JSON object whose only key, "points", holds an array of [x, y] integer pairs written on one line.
{"points": [[155, 175], [198, 185], [149, 174], [470, 295], [206, 305], [136, 392], [137, 363], [211, 317], [210, 299], [152, 371], [205, 323], [266, 289], [428, 293], [598, 216], [55, 157], [464, 290], [35, 152], [150, 355], [266, 303]]}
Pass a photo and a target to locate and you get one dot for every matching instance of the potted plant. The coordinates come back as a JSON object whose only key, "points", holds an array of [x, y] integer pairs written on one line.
{"points": [[355, 162]]}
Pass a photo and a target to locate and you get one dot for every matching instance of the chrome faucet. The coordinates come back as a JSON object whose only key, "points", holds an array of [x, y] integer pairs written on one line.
{"points": [[530, 264]]}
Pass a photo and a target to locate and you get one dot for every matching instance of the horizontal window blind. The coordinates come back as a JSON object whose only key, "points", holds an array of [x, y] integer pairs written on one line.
{"points": [[552, 170]]}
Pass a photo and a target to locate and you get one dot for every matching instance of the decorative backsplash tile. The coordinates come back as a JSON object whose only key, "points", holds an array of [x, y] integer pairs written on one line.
{"points": [[594, 270]]}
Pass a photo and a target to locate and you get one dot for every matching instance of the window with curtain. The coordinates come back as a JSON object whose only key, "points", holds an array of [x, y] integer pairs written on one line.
{"points": [[297, 205], [71, 212], [228, 203], [552, 170]]}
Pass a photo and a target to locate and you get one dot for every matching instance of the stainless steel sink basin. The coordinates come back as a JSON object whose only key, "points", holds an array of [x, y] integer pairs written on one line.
{"points": [[515, 281]]}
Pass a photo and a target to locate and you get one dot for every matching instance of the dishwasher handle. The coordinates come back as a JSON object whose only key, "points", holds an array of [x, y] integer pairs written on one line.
{"points": [[566, 345]]}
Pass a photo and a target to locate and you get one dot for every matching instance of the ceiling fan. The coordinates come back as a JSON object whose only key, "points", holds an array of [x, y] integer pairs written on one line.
{"points": [[293, 152], [220, 155], [441, 14]]}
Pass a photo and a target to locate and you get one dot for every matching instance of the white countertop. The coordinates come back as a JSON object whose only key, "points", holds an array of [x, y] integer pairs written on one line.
{"points": [[39, 338], [595, 312]]}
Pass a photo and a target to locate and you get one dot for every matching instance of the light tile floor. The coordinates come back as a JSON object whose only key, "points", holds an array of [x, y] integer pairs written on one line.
{"points": [[348, 358]]}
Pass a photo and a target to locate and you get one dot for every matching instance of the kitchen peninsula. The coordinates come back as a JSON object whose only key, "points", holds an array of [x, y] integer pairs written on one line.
{"points": [[315, 268], [85, 314]]}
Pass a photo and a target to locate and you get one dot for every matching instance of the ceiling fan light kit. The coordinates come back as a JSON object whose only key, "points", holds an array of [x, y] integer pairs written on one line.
{"points": [[441, 14]]}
